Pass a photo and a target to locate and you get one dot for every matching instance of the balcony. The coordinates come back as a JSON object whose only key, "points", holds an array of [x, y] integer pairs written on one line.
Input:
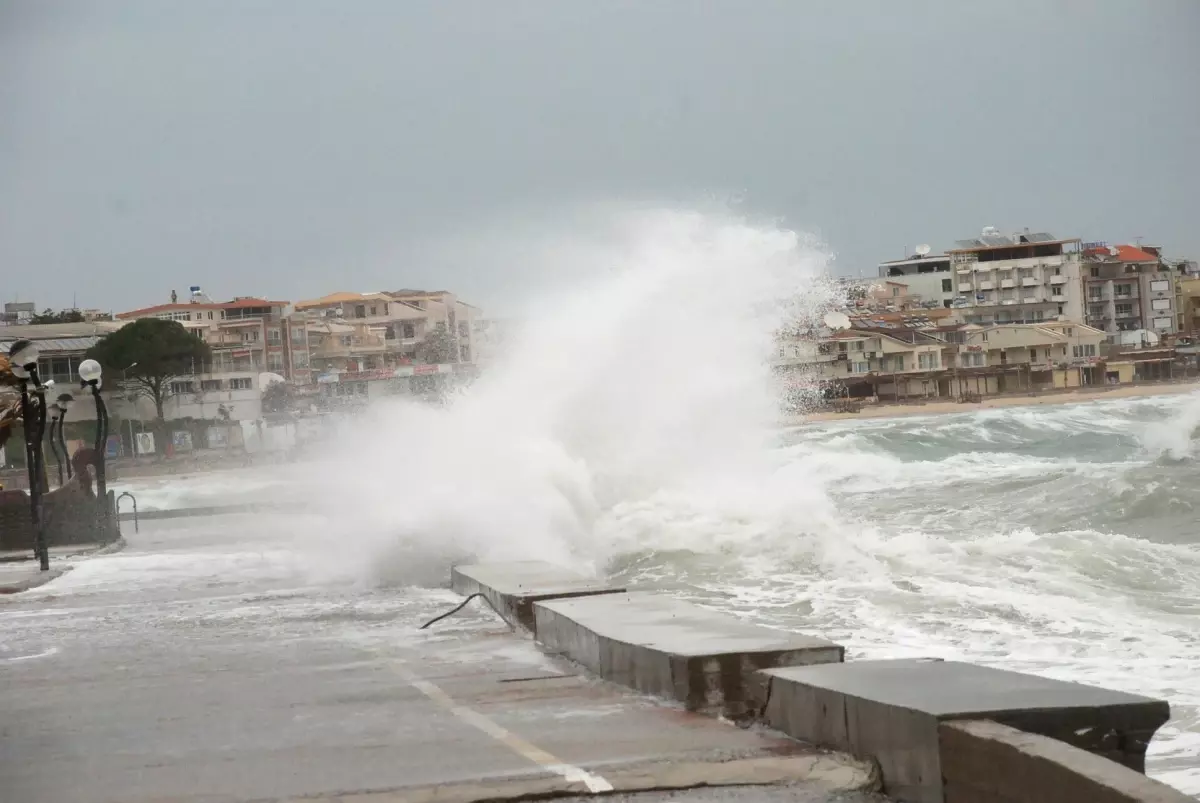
{"points": [[1031, 299], [1009, 301], [1059, 298], [1030, 281], [1058, 280], [987, 285], [1007, 283], [965, 287]]}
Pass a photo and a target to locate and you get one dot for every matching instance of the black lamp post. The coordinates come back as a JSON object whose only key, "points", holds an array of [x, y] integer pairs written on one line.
{"points": [[64, 403], [89, 376], [23, 356], [56, 412], [58, 442]]}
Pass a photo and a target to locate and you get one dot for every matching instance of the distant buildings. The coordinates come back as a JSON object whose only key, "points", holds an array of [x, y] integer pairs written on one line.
{"points": [[927, 277], [1129, 289]]}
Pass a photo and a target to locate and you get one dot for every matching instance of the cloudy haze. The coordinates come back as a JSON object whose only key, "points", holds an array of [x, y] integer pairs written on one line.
{"points": [[296, 147]]}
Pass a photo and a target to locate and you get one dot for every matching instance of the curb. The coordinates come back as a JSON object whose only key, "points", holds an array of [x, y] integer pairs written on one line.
{"points": [[33, 581], [938, 731]]}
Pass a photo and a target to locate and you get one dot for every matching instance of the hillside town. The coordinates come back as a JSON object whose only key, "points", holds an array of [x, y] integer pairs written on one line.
{"points": [[995, 314]]}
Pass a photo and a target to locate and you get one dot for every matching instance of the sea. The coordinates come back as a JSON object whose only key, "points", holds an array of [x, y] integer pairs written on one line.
{"points": [[632, 428]]}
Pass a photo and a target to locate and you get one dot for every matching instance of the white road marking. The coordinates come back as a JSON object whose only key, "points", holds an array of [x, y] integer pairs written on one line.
{"points": [[572, 774]]}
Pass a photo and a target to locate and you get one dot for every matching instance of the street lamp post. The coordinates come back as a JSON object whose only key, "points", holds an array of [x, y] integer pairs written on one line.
{"points": [[89, 376], [64, 404], [56, 412], [23, 357]]}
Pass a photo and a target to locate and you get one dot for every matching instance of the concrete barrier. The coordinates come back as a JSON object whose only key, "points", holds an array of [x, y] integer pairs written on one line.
{"points": [[659, 645], [891, 711], [986, 762], [514, 587]]}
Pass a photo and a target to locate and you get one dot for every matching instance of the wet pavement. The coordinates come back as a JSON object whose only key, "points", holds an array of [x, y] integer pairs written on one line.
{"points": [[214, 660]]}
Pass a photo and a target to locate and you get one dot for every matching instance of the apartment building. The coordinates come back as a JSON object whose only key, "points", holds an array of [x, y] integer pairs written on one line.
{"points": [[247, 336], [1018, 278], [362, 332], [1012, 357], [1129, 289], [928, 277], [911, 356], [871, 358]]}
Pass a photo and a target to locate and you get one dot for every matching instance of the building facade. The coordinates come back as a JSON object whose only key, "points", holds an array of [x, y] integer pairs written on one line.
{"points": [[1129, 289], [1019, 278], [248, 337], [929, 279]]}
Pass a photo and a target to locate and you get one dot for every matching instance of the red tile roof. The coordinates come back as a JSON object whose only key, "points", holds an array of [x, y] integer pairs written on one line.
{"points": [[1125, 253]]}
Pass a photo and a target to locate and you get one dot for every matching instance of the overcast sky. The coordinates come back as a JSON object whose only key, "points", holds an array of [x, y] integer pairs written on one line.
{"points": [[296, 147]]}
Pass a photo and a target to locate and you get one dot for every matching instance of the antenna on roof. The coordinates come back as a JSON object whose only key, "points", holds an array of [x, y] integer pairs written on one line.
{"points": [[837, 320], [923, 249]]}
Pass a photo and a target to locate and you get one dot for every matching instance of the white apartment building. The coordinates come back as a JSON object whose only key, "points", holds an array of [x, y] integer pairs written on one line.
{"points": [[1019, 278], [929, 278]]}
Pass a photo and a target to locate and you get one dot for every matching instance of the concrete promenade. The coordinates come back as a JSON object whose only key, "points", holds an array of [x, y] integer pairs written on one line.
{"points": [[210, 661]]}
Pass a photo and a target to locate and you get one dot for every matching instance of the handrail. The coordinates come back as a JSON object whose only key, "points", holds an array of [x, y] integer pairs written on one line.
{"points": [[133, 499]]}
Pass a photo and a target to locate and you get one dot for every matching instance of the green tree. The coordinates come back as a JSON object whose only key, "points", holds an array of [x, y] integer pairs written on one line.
{"points": [[62, 316], [439, 346], [279, 397], [159, 352]]}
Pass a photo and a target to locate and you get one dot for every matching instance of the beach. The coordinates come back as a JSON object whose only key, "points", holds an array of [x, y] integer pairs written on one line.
{"points": [[1074, 396]]}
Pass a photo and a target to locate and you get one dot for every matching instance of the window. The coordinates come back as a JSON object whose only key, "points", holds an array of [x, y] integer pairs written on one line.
{"points": [[1160, 286], [360, 310], [408, 331], [464, 330], [275, 361], [971, 359], [299, 359], [1162, 323], [1095, 272], [297, 335], [347, 340], [1161, 303], [860, 368], [464, 352], [274, 337], [373, 308], [250, 337], [1124, 309], [1122, 291], [928, 360], [240, 383], [210, 384], [182, 387], [1084, 350], [983, 336], [947, 286]]}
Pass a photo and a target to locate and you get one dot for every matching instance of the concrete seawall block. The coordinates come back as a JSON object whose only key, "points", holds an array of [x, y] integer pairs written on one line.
{"points": [[663, 646], [986, 762], [513, 587], [891, 711]]}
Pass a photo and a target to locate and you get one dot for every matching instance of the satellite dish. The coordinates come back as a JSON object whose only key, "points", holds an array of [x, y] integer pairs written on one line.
{"points": [[923, 249], [837, 320], [1114, 251]]}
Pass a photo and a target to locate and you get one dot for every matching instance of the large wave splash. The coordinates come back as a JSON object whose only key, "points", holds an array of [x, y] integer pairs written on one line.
{"points": [[649, 379]]}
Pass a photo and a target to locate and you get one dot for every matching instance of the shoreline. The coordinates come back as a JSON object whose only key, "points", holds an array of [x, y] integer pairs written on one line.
{"points": [[944, 407]]}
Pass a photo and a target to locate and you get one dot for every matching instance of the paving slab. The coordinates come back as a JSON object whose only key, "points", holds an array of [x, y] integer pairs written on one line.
{"points": [[664, 646], [513, 587], [890, 711]]}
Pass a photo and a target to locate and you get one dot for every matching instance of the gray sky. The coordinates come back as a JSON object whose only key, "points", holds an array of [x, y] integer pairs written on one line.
{"points": [[296, 147]]}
